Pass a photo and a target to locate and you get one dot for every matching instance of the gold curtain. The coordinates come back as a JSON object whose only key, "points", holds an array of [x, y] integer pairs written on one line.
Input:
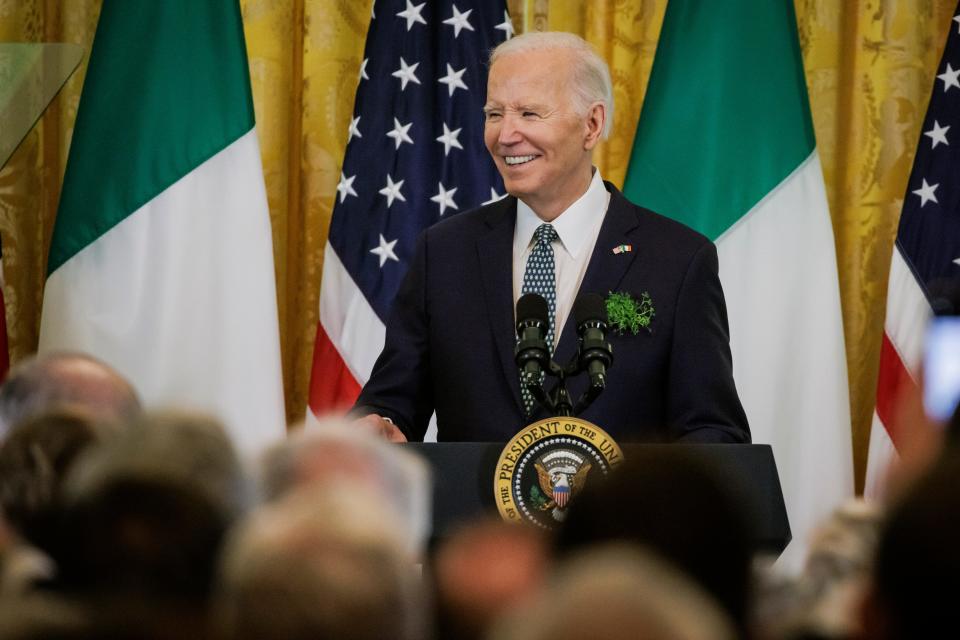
{"points": [[870, 67]]}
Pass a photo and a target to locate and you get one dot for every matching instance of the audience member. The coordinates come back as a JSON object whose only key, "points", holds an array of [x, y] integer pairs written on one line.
{"points": [[40, 617], [824, 600], [322, 562], [146, 512], [681, 507], [617, 593], [34, 460], [915, 591], [336, 453], [41, 383], [47, 616], [482, 570]]}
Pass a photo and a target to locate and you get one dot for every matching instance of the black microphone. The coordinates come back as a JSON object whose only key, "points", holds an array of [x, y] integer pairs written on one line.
{"points": [[533, 322], [595, 355]]}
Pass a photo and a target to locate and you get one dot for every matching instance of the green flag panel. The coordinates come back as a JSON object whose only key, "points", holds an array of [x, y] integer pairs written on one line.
{"points": [[167, 87], [726, 116]]}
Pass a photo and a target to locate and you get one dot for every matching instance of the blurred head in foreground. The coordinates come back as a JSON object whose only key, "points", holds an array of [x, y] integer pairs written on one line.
{"points": [[613, 593], [334, 454], [484, 569], [55, 380], [321, 563], [680, 506], [34, 461], [915, 591], [145, 513], [824, 600]]}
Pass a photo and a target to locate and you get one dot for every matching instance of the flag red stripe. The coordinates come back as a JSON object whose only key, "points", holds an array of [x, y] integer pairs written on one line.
{"points": [[894, 379], [332, 386]]}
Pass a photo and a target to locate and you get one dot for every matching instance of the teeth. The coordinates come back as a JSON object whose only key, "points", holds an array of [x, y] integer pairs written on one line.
{"points": [[517, 159]]}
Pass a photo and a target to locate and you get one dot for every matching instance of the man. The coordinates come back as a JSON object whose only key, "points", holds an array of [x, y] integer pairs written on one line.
{"points": [[338, 455], [617, 591], [64, 379], [146, 511], [451, 334], [327, 561], [483, 570], [34, 462]]}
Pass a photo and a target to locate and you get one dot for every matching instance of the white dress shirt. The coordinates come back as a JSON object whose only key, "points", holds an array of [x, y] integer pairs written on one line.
{"points": [[577, 227]]}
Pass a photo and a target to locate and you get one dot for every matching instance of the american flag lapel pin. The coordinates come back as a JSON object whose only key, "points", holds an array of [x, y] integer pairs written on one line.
{"points": [[622, 248]]}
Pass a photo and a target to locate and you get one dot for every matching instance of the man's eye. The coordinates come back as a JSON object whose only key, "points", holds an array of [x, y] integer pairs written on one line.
{"points": [[493, 115], [530, 114]]}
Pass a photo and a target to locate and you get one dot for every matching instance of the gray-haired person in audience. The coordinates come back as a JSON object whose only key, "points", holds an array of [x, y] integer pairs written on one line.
{"points": [[613, 592], [321, 562], [54, 380], [335, 453]]}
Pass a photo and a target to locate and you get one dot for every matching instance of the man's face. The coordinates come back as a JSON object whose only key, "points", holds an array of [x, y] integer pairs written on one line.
{"points": [[539, 142]]}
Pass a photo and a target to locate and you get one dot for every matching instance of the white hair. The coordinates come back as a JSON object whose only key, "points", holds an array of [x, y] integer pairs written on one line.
{"points": [[323, 562], [590, 74], [617, 591], [401, 477]]}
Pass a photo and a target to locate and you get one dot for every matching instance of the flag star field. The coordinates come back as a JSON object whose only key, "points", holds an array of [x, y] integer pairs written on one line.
{"points": [[415, 149]]}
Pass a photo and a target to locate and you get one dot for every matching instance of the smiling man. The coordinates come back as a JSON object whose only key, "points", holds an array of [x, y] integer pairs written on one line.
{"points": [[561, 232]]}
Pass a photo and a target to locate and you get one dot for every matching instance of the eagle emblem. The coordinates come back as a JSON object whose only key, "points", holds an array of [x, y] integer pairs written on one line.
{"points": [[561, 475], [545, 466]]}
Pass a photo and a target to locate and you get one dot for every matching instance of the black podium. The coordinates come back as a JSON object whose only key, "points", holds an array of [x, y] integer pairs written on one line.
{"points": [[464, 477]]}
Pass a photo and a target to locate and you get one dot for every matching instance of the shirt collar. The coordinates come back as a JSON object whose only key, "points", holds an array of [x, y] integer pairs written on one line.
{"points": [[573, 225]]}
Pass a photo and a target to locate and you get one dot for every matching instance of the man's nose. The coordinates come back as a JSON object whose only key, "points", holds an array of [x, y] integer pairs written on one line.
{"points": [[510, 132]]}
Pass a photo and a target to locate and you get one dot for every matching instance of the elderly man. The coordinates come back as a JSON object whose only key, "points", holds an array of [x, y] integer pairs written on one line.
{"points": [[561, 232], [65, 379]]}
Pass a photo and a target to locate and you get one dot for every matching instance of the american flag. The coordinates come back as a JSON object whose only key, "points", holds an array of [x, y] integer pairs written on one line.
{"points": [[414, 155], [926, 254]]}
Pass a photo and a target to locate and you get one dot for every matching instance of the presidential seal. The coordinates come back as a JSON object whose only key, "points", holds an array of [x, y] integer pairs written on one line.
{"points": [[545, 466]]}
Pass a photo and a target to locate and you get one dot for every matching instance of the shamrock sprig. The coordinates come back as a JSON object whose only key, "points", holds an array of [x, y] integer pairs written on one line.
{"points": [[625, 313]]}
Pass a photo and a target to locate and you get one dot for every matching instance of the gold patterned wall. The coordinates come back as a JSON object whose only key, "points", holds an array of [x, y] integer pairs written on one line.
{"points": [[870, 66], [30, 182]]}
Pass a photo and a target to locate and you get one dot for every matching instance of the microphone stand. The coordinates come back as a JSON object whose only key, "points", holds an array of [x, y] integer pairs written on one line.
{"points": [[560, 399], [593, 350], [557, 402]]}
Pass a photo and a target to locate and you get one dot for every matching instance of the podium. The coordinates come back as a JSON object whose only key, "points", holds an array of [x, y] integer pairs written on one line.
{"points": [[464, 480]]}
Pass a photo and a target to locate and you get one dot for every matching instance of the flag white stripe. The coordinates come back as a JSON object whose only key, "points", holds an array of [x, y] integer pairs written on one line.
{"points": [[908, 312], [180, 297], [779, 275], [348, 319], [880, 455]]}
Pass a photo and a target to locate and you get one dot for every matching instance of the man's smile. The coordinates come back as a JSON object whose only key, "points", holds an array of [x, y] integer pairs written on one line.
{"points": [[515, 160]]}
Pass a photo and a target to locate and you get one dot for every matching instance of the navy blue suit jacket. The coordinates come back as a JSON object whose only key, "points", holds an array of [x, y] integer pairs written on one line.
{"points": [[450, 337]]}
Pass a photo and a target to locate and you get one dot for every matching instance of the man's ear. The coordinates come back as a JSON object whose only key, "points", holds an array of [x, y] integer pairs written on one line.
{"points": [[593, 129]]}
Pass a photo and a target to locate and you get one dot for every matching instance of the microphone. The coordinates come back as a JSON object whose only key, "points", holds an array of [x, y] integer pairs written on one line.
{"points": [[595, 355], [532, 354]]}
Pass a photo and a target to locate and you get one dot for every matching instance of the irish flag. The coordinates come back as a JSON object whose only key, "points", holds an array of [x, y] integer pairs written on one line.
{"points": [[161, 261], [725, 144]]}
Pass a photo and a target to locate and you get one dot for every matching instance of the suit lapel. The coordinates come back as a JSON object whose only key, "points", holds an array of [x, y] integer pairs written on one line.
{"points": [[606, 269], [495, 254]]}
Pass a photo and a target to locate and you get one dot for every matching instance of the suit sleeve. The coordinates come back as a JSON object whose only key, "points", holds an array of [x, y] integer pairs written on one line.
{"points": [[399, 387], [703, 401]]}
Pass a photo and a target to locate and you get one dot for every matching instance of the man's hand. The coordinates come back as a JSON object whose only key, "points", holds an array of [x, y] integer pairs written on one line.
{"points": [[380, 427]]}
